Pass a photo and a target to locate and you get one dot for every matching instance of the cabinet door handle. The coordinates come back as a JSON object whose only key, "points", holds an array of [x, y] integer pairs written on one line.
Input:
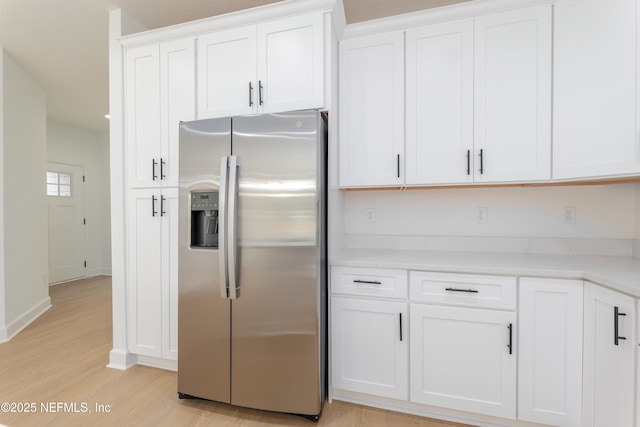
{"points": [[481, 161], [153, 206], [398, 165], [616, 331], [368, 282], [260, 92], [162, 163], [400, 326], [468, 162], [153, 169], [162, 200], [510, 327], [471, 291], [250, 95]]}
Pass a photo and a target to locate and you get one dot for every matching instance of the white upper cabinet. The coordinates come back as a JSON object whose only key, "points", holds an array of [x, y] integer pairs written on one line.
{"points": [[512, 96], [595, 89], [439, 70], [270, 67], [227, 73], [160, 92], [372, 111], [290, 63]]}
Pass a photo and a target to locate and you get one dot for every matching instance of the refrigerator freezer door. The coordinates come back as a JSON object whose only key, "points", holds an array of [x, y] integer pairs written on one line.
{"points": [[203, 315], [276, 348]]}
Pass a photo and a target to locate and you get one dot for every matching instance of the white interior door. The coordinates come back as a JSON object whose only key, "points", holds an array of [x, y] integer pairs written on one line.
{"points": [[65, 195]]}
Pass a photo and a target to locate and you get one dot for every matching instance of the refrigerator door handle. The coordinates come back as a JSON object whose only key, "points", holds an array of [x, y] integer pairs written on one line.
{"points": [[232, 245], [222, 227]]}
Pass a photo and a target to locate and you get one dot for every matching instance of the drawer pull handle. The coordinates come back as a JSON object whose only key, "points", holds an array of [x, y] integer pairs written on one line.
{"points": [[470, 291], [368, 282]]}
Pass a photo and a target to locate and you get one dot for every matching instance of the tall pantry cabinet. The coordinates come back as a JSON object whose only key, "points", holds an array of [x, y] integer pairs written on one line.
{"points": [[159, 93]]}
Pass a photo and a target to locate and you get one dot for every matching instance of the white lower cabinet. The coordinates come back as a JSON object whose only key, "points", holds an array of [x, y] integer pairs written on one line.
{"points": [[609, 358], [464, 359], [152, 278], [550, 351], [557, 352], [369, 346]]}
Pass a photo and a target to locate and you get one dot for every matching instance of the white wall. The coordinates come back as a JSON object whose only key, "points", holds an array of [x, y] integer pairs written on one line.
{"points": [[80, 147], [602, 212], [24, 207]]}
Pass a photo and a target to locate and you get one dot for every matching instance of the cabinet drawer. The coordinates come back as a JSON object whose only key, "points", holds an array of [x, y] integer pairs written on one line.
{"points": [[369, 281], [469, 290]]}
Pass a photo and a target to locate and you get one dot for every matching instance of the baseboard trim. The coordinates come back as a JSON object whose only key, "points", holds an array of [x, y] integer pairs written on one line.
{"points": [[24, 320], [121, 359], [155, 362]]}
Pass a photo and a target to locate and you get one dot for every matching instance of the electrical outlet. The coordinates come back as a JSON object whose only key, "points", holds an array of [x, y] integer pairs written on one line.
{"points": [[370, 215], [482, 214], [569, 215]]}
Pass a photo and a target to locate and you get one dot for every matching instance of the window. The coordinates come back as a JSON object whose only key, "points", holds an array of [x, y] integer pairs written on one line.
{"points": [[58, 184]]}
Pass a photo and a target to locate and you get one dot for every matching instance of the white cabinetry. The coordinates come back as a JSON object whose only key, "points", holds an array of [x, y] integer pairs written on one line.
{"points": [[440, 103], [369, 349], [550, 356], [463, 358], [609, 358], [152, 237], [265, 68], [369, 346], [371, 151], [595, 88], [512, 96], [479, 99], [159, 93]]}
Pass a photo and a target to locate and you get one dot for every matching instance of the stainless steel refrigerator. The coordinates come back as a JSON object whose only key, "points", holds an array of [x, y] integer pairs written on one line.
{"points": [[252, 262]]}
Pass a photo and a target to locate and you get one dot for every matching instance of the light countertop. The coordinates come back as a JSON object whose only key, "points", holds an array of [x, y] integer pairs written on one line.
{"points": [[615, 272]]}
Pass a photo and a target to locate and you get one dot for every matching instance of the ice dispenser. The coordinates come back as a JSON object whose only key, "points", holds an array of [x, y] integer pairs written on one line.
{"points": [[204, 220]]}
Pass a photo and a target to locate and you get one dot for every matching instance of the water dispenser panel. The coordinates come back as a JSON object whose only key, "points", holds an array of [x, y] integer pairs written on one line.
{"points": [[204, 220]]}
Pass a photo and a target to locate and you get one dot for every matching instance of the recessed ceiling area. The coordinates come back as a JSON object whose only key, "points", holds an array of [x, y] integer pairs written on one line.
{"points": [[63, 44]]}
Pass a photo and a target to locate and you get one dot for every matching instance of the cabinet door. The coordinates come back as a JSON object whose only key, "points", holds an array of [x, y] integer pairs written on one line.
{"points": [[595, 88], [513, 95], [463, 358], [609, 358], [177, 102], [369, 347], [291, 63], [142, 116], [372, 111], [439, 70], [550, 356], [144, 278], [227, 73], [169, 264]]}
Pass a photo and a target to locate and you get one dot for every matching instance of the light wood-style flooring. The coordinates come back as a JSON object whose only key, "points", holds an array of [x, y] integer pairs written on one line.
{"points": [[61, 359]]}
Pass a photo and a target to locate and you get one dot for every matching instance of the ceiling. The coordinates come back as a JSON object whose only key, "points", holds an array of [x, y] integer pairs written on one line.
{"points": [[63, 44]]}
